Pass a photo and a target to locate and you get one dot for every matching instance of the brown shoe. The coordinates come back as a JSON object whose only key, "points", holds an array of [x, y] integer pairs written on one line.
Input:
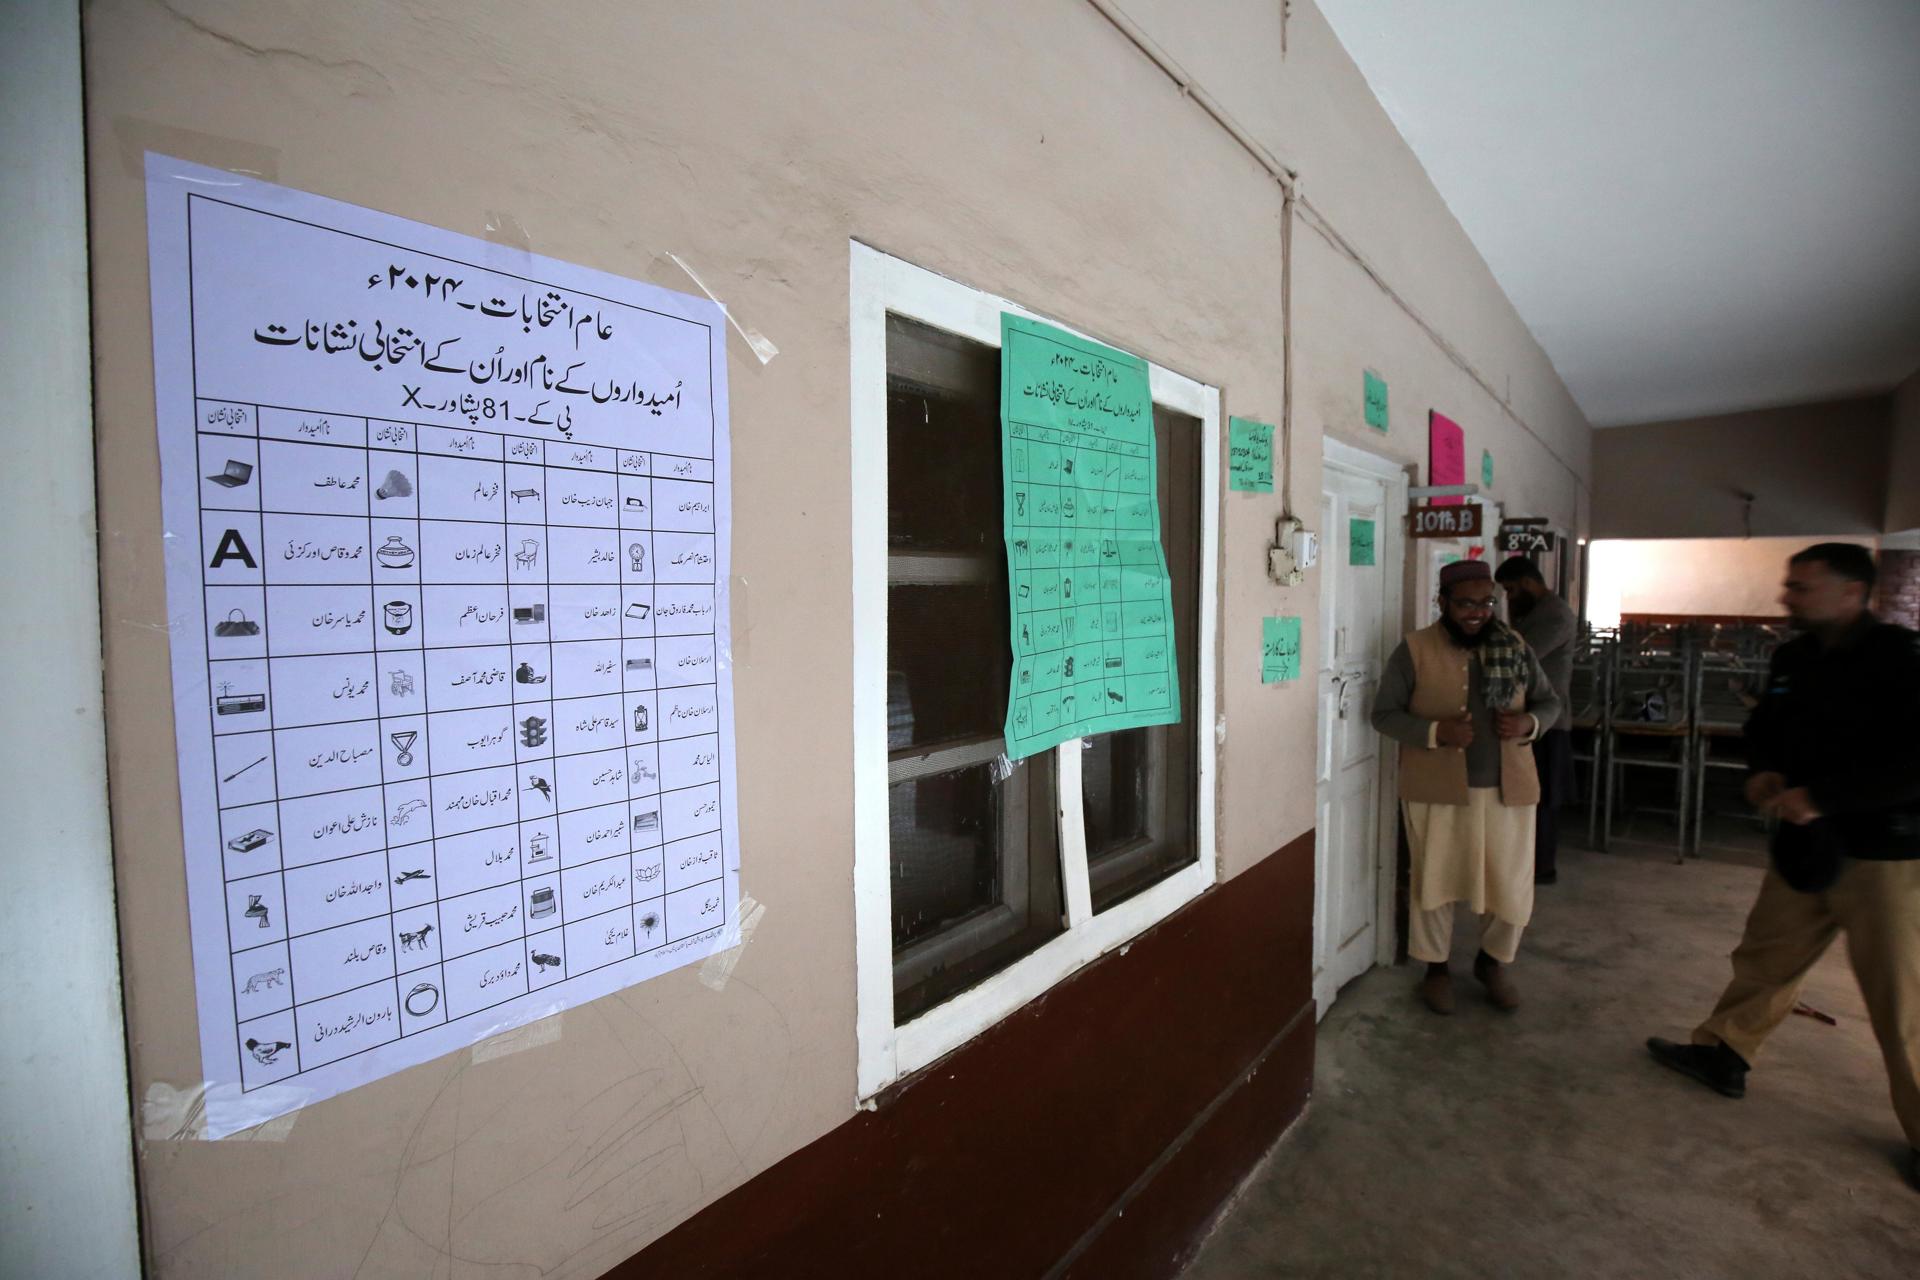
{"points": [[1493, 976], [1436, 991]]}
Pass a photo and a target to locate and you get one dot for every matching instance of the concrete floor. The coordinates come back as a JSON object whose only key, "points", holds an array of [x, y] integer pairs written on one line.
{"points": [[1547, 1142]]}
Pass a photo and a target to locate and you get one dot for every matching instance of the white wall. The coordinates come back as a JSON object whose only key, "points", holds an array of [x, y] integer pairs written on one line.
{"points": [[1714, 577], [66, 1179]]}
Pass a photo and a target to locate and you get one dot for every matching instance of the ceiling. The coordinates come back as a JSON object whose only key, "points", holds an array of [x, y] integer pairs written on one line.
{"points": [[1697, 206]]}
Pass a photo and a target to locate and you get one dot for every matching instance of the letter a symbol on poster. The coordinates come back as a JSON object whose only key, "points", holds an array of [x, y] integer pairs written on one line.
{"points": [[232, 547]]}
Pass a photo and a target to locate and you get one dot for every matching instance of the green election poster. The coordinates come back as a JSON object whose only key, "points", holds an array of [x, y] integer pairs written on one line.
{"points": [[1092, 605], [1249, 455], [1359, 541], [1279, 649], [1374, 388]]}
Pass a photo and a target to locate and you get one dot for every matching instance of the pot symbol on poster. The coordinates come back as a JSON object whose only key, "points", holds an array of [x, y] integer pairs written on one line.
{"points": [[394, 553]]}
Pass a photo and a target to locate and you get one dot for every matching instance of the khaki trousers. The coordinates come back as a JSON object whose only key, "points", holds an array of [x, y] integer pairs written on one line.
{"points": [[1479, 853], [1877, 904], [1430, 935]]}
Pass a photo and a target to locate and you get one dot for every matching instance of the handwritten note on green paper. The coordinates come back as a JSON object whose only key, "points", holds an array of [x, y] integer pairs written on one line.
{"points": [[1092, 603], [1279, 649], [1359, 541], [1486, 467], [1249, 455], [1374, 387]]}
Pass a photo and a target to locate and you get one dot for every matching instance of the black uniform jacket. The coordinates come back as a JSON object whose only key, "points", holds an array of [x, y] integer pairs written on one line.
{"points": [[1845, 723]]}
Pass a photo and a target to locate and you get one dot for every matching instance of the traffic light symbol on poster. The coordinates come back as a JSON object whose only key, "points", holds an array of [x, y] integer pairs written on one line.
{"points": [[533, 731]]}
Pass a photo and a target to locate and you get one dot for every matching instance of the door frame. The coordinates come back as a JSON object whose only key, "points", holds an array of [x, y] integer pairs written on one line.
{"points": [[1341, 456]]}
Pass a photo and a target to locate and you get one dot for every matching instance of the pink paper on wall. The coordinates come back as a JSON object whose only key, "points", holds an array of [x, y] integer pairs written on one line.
{"points": [[1446, 454]]}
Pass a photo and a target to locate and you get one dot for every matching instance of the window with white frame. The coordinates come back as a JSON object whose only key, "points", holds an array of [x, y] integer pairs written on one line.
{"points": [[980, 882]]}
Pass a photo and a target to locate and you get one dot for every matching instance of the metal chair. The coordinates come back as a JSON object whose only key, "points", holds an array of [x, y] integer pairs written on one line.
{"points": [[1650, 726], [1588, 696], [1725, 690]]}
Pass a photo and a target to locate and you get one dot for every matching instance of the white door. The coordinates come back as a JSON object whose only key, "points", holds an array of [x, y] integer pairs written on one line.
{"points": [[1359, 618]]}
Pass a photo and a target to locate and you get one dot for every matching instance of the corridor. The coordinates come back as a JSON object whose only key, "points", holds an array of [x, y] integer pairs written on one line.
{"points": [[1548, 1143]]}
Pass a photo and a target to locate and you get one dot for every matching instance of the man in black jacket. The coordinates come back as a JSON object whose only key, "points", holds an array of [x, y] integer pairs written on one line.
{"points": [[1834, 755]]}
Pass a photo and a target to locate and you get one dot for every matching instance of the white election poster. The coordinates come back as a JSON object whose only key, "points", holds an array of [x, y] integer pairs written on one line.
{"points": [[446, 554]]}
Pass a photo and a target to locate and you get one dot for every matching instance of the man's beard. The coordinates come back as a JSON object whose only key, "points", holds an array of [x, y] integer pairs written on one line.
{"points": [[1466, 639]]}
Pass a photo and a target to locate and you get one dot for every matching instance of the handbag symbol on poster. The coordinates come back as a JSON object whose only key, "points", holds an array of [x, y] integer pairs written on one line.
{"points": [[236, 623]]}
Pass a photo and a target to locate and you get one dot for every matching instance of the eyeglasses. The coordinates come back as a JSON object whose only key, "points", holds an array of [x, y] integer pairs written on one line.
{"points": [[1471, 606]]}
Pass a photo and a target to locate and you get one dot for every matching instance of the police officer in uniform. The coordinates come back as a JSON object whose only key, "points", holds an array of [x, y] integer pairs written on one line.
{"points": [[1834, 756]]}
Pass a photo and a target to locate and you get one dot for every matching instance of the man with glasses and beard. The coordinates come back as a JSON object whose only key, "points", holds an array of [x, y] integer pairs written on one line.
{"points": [[1465, 698], [1833, 755]]}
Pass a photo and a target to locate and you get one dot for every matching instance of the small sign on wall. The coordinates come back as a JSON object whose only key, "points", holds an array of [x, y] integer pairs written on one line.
{"points": [[1486, 468], [1279, 649], [1360, 541], [1526, 536], [1374, 389], [1445, 522], [1249, 455], [1446, 455]]}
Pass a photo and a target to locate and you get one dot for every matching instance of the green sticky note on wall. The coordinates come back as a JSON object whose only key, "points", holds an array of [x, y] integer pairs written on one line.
{"points": [[1359, 541], [1279, 649], [1374, 388], [1486, 467], [1249, 455]]}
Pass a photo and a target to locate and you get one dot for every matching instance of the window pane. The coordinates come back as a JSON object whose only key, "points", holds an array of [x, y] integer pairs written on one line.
{"points": [[1114, 783], [943, 441], [947, 662], [1139, 787], [976, 878], [975, 861]]}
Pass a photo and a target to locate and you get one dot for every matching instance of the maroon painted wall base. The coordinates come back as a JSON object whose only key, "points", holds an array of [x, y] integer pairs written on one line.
{"points": [[1093, 1133]]}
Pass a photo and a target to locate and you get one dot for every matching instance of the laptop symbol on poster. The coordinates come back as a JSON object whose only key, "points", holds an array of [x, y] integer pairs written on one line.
{"points": [[233, 475]]}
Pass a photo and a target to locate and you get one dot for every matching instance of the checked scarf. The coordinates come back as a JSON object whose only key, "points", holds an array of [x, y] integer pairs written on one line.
{"points": [[1503, 656]]}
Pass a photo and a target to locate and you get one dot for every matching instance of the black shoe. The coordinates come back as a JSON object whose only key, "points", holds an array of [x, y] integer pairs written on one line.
{"points": [[1546, 877], [1715, 1066]]}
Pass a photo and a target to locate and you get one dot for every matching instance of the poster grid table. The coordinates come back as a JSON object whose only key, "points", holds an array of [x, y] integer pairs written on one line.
{"points": [[451, 689], [1092, 609]]}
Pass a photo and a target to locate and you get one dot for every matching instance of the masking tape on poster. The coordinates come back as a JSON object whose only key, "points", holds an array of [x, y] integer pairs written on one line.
{"points": [[135, 137], [717, 969], [762, 346], [170, 1114]]}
